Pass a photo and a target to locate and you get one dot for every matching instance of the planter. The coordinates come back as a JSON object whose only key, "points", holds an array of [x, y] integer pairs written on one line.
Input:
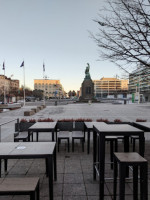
{"points": [[23, 126], [130, 123]]}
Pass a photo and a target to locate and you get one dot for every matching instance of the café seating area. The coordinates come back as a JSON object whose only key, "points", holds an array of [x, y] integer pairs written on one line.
{"points": [[79, 174]]}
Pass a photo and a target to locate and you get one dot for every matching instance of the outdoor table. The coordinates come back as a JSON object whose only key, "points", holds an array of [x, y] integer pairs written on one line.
{"points": [[145, 126], [42, 127], [28, 150], [100, 131], [88, 126]]}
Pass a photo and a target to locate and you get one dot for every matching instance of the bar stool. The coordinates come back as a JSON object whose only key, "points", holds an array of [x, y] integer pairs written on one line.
{"points": [[133, 140], [64, 135], [78, 135], [135, 160], [113, 140]]}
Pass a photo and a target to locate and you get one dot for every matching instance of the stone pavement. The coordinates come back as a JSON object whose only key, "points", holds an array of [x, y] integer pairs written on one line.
{"points": [[75, 178]]}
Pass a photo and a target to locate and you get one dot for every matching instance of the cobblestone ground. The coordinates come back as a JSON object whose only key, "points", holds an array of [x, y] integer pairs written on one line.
{"points": [[75, 178]]}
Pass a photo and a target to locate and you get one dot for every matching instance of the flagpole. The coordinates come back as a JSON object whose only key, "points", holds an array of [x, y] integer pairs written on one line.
{"points": [[43, 80], [24, 83], [4, 89], [4, 83]]}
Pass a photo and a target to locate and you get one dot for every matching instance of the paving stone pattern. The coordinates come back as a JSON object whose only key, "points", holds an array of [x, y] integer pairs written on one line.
{"points": [[75, 178]]}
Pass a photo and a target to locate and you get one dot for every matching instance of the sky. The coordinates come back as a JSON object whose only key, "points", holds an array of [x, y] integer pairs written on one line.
{"points": [[55, 32]]}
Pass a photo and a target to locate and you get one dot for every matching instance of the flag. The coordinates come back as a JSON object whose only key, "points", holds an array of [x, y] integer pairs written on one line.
{"points": [[43, 67], [22, 65], [3, 65]]}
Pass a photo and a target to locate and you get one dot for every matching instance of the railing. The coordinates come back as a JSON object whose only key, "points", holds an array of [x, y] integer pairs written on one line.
{"points": [[7, 123]]}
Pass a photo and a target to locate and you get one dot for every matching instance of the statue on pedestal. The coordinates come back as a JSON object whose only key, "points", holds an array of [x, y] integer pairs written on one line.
{"points": [[87, 73]]}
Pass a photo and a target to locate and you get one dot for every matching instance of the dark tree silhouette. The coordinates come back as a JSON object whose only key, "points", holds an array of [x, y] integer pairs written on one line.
{"points": [[124, 33]]}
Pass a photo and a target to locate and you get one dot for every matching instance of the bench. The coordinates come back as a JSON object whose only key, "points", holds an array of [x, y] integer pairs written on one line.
{"points": [[28, 113], [40, 107], [35, 110], [20, 186], [23, 136]]}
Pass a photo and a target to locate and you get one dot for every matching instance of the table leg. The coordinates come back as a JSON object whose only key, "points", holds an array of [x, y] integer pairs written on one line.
{"points": [[53, 136], [55, 165], [94, 153], [5, 165], [37, 136], [141, 144], [50, 174], [126, 149], [126, 143], [0, 167], [28, 136], [101, 150], [88, 142], [46, 164]]}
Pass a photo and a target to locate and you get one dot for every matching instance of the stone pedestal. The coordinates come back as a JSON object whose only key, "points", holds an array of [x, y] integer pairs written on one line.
{"points": [[87, 90]]}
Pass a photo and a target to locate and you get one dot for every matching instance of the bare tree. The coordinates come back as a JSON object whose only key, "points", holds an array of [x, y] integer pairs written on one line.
{"points": [[124, 33]]}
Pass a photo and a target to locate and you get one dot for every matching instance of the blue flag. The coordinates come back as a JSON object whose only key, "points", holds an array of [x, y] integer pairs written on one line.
{"points": [[22, 65], [43, 67], [3, 65]]}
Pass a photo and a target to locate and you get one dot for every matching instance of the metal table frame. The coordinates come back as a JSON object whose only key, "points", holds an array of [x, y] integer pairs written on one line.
{"points": [[43, 127], [97, 133], [88, 126], [10, 151]]}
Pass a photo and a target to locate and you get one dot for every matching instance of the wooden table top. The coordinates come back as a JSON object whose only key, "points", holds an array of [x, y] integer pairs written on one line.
{"points": [[116, 128], [43, 125], [144, 124], [26, 148], [90, 125]]}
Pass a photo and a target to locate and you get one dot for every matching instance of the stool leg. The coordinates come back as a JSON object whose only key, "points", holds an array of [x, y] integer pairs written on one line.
{"points": [[135, 182], [111, 153], [58, 144], [116, 145], [32, 136], [82, 144], [115, 179], [88, 140], [72, 145], [68, 145], [144, 182], [37, 136], [38, 192], [32, 196], [5, 165], [46, 164], [122, 172], [133, 144]]}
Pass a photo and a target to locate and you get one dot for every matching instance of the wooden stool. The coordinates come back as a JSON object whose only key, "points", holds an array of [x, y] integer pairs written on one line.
{"points": [[133, 140], [64, 135], [135, 160], [78, 135], [20, 186], [113, 140]]}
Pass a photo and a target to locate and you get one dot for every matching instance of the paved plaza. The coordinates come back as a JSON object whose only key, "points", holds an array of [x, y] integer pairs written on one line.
{"points": [[75, 178]]}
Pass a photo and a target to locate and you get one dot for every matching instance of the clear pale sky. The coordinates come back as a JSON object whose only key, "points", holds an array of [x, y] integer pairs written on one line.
{"points": [[53, 31]]}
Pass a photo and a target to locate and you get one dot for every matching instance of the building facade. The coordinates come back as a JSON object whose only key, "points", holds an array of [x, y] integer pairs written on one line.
{"points": [[110, 87], [9, 86], [139, 82], [51, 88]]}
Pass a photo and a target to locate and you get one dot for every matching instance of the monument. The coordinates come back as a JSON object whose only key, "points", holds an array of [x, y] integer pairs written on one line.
{"points": [[87, 88]]}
